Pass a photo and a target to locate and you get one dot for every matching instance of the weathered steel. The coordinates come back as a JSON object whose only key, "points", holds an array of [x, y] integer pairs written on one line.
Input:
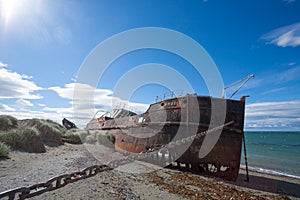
{"points": [[179, 118]]}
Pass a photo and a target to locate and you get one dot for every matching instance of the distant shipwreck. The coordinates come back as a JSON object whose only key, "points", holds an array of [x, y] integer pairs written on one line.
{"points": [[184, 122]]}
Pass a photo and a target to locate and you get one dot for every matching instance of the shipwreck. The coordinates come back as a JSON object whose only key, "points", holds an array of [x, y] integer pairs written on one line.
{"points": [[206, 133]]}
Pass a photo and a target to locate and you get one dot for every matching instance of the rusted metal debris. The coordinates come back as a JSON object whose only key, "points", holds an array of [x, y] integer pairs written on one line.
{"points": [[68, 124]]}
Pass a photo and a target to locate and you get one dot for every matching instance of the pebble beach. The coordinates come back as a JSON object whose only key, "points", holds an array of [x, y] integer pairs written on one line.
{"points": [[136, 180]]}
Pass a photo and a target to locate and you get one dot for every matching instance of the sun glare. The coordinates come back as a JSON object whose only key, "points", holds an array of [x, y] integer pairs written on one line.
{"points": [[10, 9]]}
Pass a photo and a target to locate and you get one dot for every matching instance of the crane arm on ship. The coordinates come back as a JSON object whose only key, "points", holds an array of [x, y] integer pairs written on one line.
{"points": [[243, 81]]}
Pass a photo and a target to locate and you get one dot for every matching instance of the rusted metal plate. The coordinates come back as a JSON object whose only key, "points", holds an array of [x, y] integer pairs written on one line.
{"points": [[181, 117]]}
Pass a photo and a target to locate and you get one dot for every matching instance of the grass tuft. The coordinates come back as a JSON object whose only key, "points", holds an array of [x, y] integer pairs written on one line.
{"points": [[72, 136], [32, 134], [49, 131], [25, 139], [4, 150], [7, 122]]}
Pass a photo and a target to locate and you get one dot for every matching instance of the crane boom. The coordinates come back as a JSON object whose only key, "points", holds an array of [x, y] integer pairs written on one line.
{"points": [[243, 81]]}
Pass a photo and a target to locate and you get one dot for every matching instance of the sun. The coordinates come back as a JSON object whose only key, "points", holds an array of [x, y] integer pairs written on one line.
{"points": [[24, 17], [10, 9]]}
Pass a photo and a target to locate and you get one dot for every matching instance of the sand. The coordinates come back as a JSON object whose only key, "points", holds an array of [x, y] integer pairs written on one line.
{"points": [[136, 180]]}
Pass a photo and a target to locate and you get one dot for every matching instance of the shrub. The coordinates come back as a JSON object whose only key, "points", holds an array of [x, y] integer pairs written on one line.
{"points": [[25, 139], [48, 131], [55, 125], [4, 150], [72, 136], [30, 141], [8, 122], [10, 138]]}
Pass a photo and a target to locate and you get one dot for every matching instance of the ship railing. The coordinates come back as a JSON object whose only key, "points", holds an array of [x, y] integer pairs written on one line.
{"points": [[169, 94]]}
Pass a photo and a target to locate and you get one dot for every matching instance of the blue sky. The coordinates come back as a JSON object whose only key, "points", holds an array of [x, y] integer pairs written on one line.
{"points": [[43, 44]]}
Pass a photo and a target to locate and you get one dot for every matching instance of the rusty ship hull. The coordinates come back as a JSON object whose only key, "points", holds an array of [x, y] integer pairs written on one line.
{"points": [[177, 120]]}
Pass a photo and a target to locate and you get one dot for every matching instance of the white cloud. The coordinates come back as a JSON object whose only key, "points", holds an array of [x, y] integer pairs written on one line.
{"points": [[24, 102], [14, 85], [103, 98], [81, 106], [26, 76], [29, 114], [68, 91], [284, 114], [284, 36], [2, 64], [4, 107]]}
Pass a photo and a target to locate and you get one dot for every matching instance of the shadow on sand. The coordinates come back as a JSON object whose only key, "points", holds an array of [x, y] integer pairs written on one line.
{"points": [[269, 185]]}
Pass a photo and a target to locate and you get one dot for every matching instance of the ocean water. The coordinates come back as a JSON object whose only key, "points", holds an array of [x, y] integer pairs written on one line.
{"points": [[273, 152]]}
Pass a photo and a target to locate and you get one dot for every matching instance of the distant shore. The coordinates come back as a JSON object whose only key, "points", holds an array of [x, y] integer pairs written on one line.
{"points": [[24, 169]]}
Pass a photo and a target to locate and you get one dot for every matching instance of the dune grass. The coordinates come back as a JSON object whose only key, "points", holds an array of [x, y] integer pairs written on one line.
{"points": [[74, 136], [4, 150], [7, 122], [31, 135], [49, 132], [24, 139]]}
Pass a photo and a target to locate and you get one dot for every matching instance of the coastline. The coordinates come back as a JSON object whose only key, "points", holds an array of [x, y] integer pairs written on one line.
{"points": [[269, 171], [25, 169]]}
